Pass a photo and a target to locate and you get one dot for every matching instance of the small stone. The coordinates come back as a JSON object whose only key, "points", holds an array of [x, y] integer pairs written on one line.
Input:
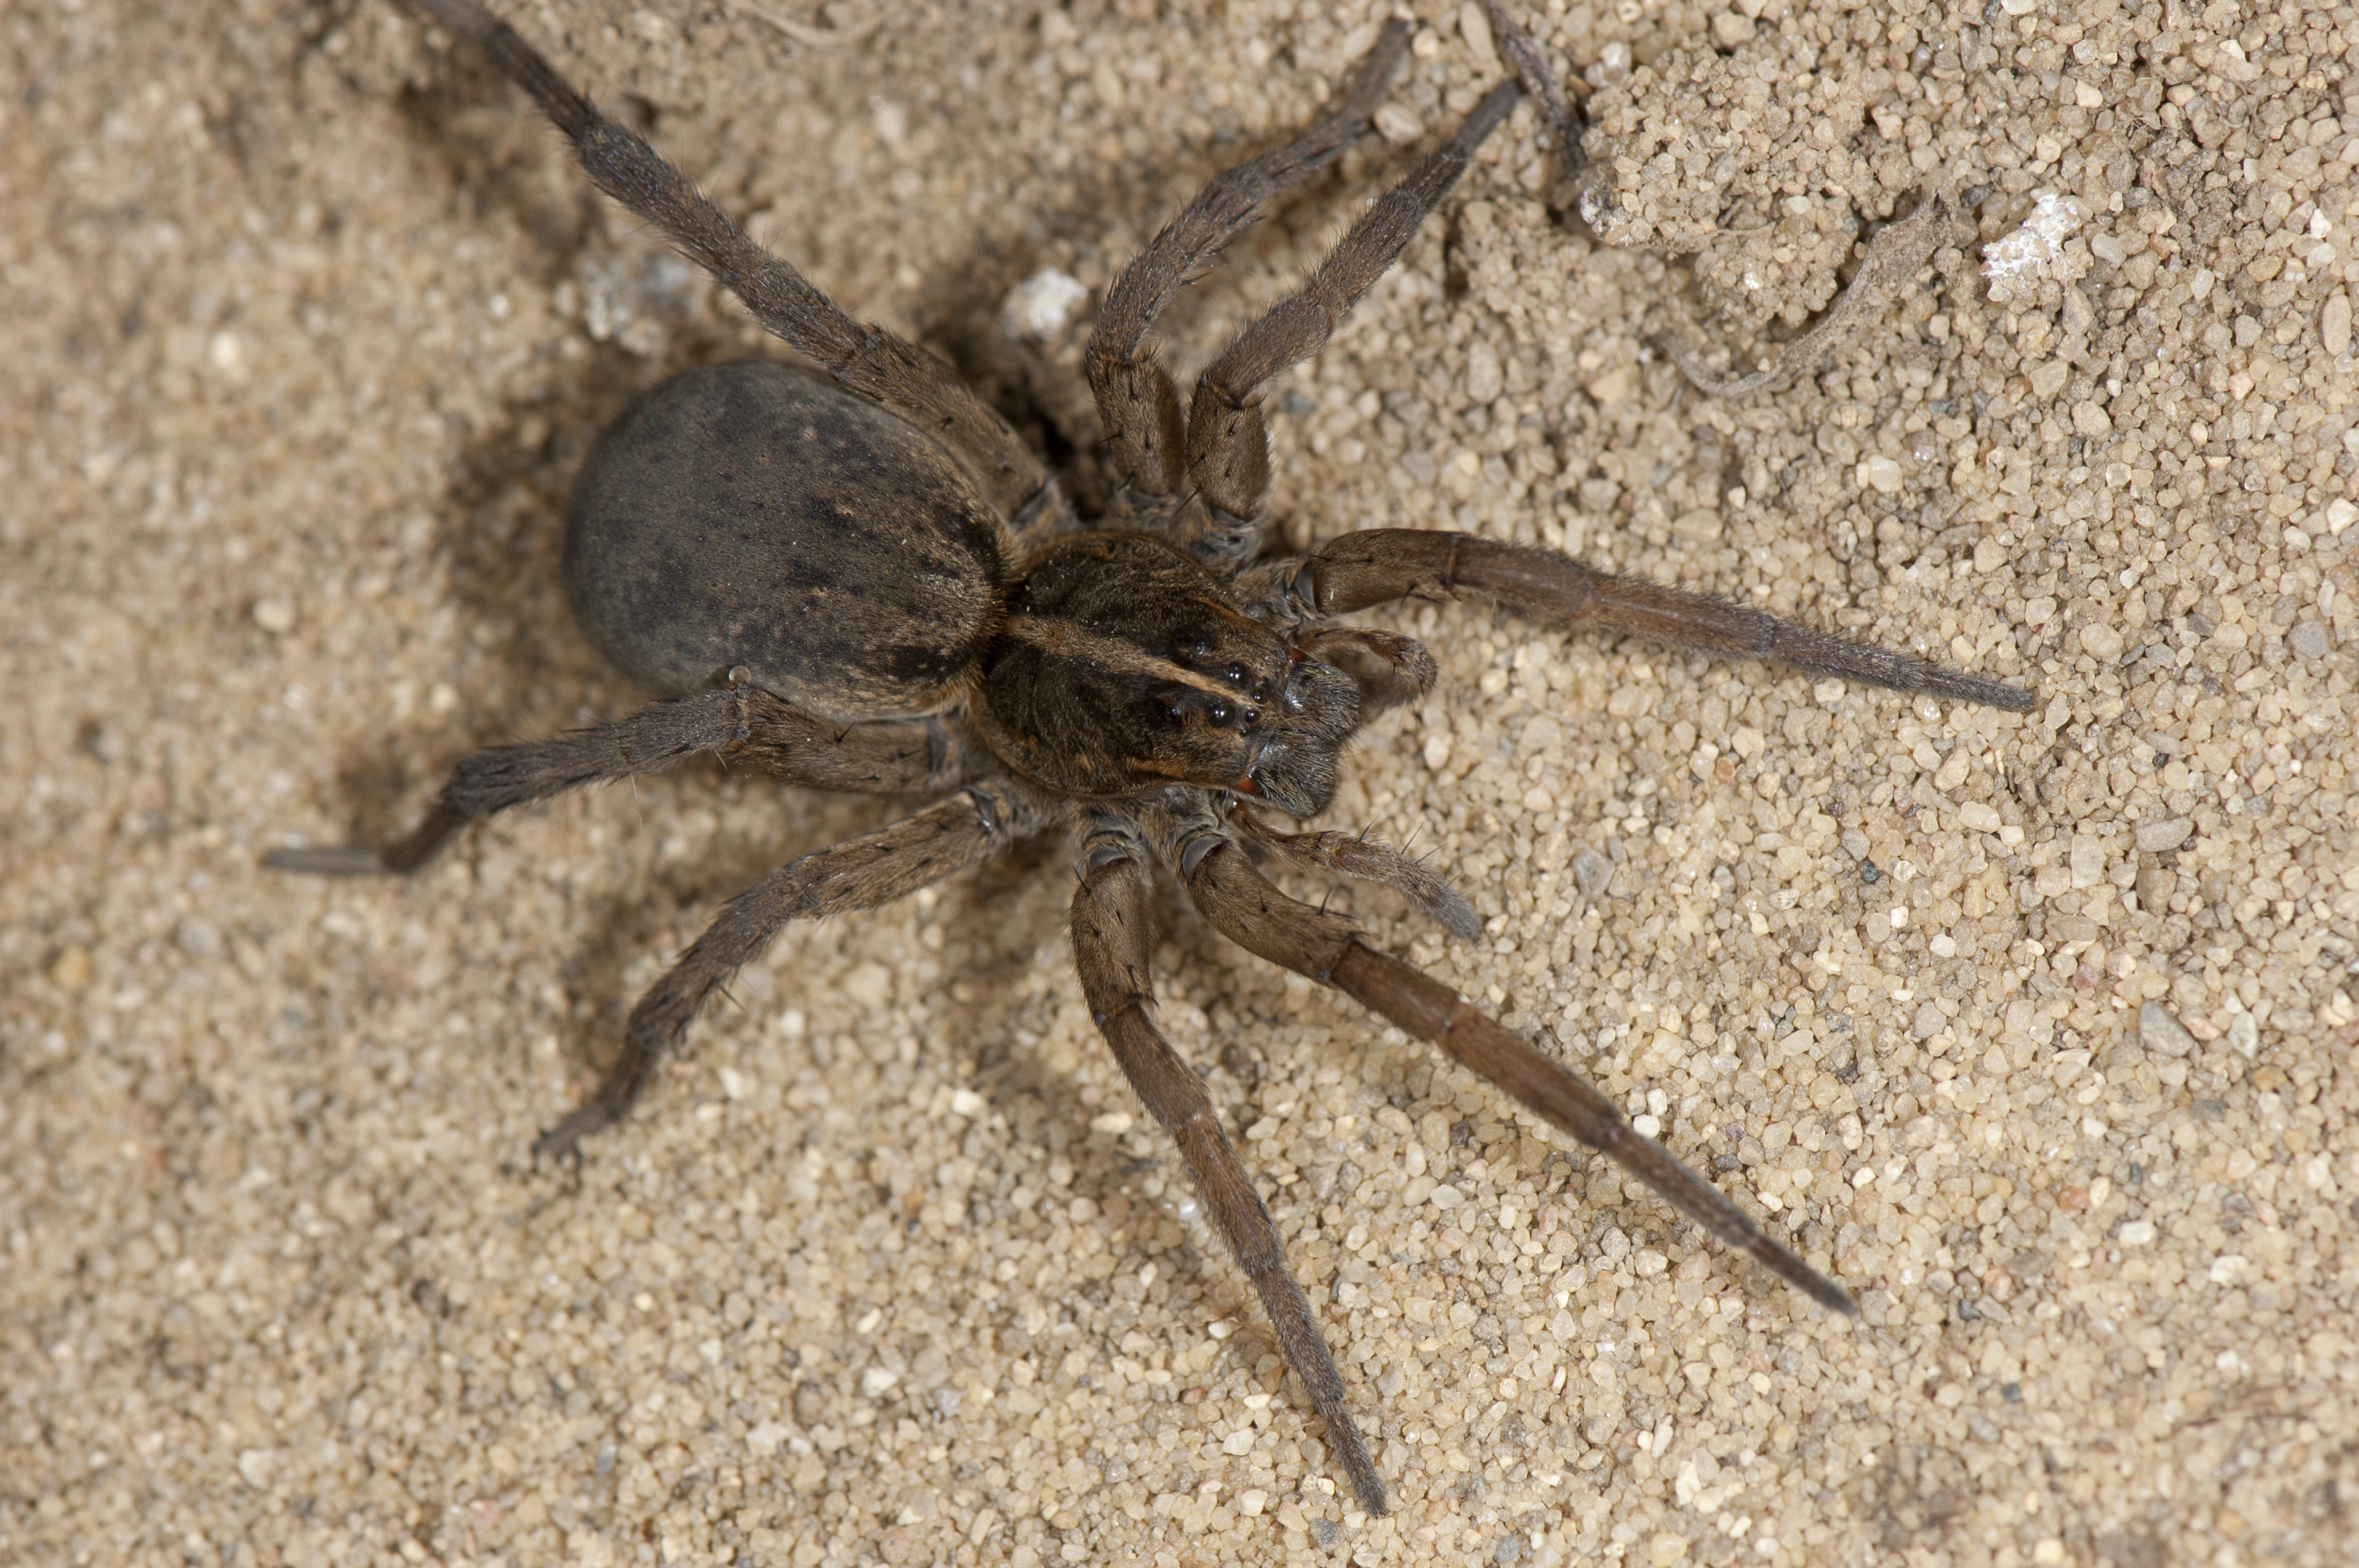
{"points": [[767, 1439], [71, 969], [2078, 315], [2334, 325], [1982, 818], [2159, 1031], [1592, 871], [1928, 1021], [1881, 474], [2245, 1035], [274, 616], [1475, 28], [1484, 378], [1398, 124], [1040, 307], [2309, 640], [2154, 837]]}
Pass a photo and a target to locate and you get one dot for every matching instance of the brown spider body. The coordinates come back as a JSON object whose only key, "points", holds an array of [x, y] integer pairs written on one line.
{"points": [[901, 600], [754, 515]]}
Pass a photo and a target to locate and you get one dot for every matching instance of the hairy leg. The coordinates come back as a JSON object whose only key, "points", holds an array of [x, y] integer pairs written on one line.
{"points": [[1228, 452], [1391, 669], [1379, 565], [1242, 906], [867, 361], [1114, 937], [861, 875], [1136, 404], [1370, 861], [864, 759]]}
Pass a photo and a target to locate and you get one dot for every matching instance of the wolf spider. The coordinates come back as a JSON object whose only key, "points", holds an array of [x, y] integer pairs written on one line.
{"points": [[865, 581]]}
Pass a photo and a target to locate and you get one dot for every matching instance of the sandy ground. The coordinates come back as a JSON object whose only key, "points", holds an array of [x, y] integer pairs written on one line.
{"points": [[2034, 1030]]}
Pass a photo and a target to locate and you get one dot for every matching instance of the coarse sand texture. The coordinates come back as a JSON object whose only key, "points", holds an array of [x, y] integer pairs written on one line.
{"points": [[2037, 1031]]}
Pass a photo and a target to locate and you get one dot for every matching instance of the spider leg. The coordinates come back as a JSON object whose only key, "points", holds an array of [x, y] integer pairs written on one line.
{"points": [[1136, 404], [867, 361], [1370, 861], [1391, 669], [865, 759], [1113, 935], [861, 874], [1379, 565], [1244, 906], [1228, 452]]}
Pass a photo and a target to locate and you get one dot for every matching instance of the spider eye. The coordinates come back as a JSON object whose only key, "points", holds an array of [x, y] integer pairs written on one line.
{"points": [[1253, 717], [1234, 675], [1220, 714]]}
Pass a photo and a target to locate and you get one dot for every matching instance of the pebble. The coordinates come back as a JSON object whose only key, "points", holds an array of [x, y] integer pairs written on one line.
{"points": [[2160, 1030], [1880, 474]]}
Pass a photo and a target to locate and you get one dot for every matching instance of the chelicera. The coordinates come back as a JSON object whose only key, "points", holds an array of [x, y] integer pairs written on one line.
{"points": [[855, 574]]}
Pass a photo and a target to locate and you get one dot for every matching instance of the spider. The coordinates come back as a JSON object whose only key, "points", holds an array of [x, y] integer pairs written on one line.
{"points": [[858, 577]]}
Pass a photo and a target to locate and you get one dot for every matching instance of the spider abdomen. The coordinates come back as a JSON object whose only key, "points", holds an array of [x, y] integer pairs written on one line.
{"points": [[754, 513]]}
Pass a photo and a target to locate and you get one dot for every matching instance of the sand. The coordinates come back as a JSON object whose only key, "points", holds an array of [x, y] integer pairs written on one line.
{"points": [[2034, 1030]]}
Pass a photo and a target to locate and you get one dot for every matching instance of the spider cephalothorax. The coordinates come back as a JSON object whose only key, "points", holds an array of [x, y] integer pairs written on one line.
{"points": [[1123, 663], [861, 580]]}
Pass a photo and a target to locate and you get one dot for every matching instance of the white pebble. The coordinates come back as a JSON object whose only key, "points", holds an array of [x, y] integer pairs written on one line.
{"points": [[1041, 305]]}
